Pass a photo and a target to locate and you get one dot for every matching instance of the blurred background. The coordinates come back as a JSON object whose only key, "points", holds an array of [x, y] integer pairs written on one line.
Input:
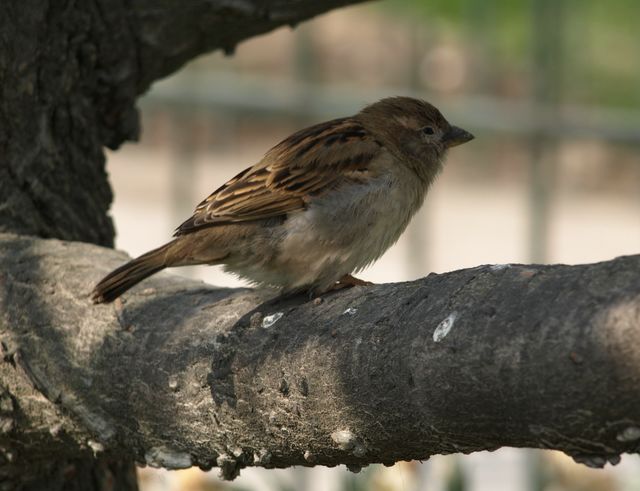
{"points": [[550, 88]]}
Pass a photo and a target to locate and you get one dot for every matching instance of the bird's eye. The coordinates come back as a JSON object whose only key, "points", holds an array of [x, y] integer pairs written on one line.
{"points": [[427, 130]]}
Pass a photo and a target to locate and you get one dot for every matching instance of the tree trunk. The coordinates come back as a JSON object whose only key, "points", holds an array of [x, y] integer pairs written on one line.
{"points": [[70, 72]]}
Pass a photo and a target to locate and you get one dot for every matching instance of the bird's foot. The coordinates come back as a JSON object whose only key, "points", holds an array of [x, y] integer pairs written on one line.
{"points": [[348, 281]]}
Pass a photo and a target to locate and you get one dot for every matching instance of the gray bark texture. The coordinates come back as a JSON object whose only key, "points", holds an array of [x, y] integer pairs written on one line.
{"points": [[181, 374], [70, 73]]}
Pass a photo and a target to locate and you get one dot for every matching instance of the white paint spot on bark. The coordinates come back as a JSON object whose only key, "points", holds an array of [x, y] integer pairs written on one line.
{"points": [[347, 441], [629, 434], [444, 327], [270, 320], [344, 438], [350, 311], [97, 447]]}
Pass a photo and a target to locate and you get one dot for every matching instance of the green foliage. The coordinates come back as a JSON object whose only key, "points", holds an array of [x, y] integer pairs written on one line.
{"points": [[600, 60]]}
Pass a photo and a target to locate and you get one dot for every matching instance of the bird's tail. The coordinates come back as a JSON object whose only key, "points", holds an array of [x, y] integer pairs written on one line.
{"points": [[130, 274]]}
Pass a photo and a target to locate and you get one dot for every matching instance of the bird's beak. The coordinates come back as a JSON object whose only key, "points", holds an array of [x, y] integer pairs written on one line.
{"points": [[456, 136]]}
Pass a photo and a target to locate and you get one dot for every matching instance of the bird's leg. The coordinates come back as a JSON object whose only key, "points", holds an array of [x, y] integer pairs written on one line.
{"points": [[349, 280]]}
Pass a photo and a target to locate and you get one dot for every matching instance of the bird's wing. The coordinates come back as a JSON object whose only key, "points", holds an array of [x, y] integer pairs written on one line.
{"points": [[306, 164]]}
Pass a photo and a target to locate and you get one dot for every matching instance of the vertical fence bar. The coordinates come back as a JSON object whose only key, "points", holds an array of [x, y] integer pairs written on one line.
{"points": [[182, 170], [547, 42], [305, 70], [418, 243]]}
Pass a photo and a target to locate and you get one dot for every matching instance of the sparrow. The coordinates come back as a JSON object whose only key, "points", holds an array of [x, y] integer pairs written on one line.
{"points": [[325, 202]]}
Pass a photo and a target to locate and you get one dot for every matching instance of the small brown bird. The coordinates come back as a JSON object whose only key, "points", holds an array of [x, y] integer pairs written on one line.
{"points": [[323, 203]]}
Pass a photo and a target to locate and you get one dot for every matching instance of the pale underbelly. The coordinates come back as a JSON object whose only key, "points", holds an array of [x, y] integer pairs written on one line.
{"points": [[332, 238]]}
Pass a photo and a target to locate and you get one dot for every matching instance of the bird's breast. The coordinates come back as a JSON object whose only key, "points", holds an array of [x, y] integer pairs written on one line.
{"points": [[353, 225]]}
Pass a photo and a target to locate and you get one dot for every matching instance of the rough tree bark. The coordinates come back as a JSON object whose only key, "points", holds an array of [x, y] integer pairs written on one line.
{"points": [[70, 73], [183, 374]]}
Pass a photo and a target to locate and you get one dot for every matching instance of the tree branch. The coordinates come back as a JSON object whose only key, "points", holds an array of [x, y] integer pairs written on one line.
{"points": [[184, 374], [170, 33]]}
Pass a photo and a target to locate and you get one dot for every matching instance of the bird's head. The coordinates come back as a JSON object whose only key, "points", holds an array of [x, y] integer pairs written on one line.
{"points": [[414, 130]]}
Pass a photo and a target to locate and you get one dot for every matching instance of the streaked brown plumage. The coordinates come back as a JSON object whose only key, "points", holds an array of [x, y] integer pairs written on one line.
{"points": [[307, 163], [326, 201]]}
